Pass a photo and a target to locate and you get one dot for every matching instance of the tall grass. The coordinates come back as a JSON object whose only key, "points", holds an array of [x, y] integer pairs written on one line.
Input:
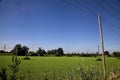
{"points": [[60, 68]]}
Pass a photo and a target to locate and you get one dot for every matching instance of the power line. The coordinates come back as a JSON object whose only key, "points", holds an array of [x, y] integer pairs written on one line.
{"points": [[111, 28], [112, 24], [93, 12], [86, 9], [113, 9], [104, 8]]}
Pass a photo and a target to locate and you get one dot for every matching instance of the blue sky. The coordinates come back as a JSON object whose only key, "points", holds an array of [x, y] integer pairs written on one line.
{"points": [[70, 24]]}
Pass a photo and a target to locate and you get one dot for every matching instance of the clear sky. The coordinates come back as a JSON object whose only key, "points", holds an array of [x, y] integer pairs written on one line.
{"points": [[70, 24]]}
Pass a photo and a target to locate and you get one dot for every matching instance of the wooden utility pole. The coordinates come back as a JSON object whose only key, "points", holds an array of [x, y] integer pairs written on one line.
{"points": [[101, 39]]}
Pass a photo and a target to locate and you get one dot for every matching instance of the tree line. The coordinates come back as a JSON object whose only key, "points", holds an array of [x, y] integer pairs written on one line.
{"points": [[24, 50]]}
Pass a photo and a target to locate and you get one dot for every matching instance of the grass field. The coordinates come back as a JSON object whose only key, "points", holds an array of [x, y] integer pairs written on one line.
{"points": [[40, 67]]}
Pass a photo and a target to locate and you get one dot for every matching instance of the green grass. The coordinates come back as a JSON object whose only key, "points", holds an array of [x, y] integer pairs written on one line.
{"points": [[39, 67]]}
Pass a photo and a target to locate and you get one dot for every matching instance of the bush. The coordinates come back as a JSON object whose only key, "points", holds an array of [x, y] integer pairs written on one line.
{"points": [[69, 55], [98, 59], [57, 54], [118, 57], [14, 67], [26, 58], [22, 77], [3, 74], [90, 73], [34, 54], [115, 74]]}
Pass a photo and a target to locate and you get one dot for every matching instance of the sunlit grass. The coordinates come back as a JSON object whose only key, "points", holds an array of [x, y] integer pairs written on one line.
{"points": [[38, 67]]}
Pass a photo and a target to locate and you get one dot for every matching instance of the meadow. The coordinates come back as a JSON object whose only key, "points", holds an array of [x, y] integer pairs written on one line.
{"points": [[55, 68]]}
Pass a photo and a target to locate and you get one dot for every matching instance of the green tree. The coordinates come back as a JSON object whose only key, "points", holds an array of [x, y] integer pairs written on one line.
{"points": [[2, 51], [53, 51], [17, 50], [20, 50], [41, 52], [106, 53], [25, 50], [49, 52], [60, 52], [116, 54]]}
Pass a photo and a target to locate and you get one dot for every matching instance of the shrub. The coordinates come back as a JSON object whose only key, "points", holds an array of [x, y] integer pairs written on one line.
{"points": [[14, 67], [3, 74], [115, 75], [34, 54], [22, 77], [46, 76], [70, 76], [26, 58], [91, 73], [98, 59], [118, 57]]}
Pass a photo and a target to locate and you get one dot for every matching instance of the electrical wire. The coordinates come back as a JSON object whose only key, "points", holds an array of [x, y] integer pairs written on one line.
{"points": [[111, 28], [110, 24], [113, 9], [102, 7], [80, 6], [93, 12]]}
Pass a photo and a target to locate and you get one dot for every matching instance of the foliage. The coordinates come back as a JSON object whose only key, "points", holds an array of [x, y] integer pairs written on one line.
{"points": [[116, 54], [17, 49], [106, 53], [22, 77], [65, 67], [116, 70], [91, 73], [14, 67], [59, 52], [20, 50], [2, 51], [115, 74], [34, 54], [3, 74], [69, 55], [88, 55], [53, 51], [41, 52], [46, 76], [26, 58], [70, 76], [25, 49], [81, 54], [98, 59]]}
